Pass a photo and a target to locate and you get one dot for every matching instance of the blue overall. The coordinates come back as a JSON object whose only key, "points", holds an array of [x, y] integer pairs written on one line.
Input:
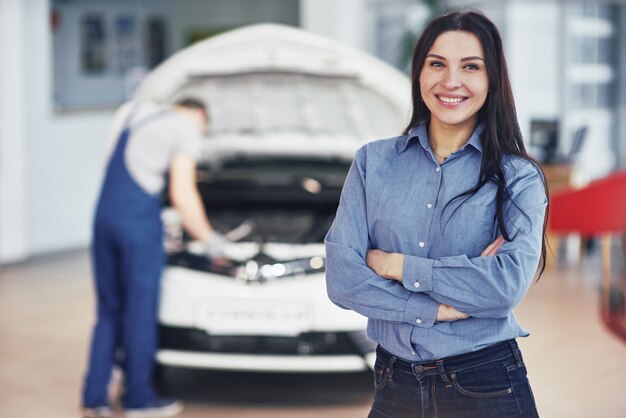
{"points": [[128, 259]]}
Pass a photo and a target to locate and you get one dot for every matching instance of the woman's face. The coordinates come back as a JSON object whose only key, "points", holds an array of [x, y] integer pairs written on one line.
{"points": [[453, 80]]}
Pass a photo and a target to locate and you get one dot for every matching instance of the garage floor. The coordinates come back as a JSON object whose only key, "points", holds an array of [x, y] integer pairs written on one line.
{"points": [[577, 368]]}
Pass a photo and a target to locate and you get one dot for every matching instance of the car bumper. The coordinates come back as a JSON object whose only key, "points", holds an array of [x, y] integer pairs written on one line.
{"points": [[265, 363], [307, 352]]}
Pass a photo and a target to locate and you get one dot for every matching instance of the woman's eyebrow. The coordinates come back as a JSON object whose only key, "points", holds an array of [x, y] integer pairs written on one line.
{"points": [[472, 58], [439, 57]]}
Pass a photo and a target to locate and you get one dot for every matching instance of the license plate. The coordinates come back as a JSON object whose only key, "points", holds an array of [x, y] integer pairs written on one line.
{"points": [[253, 317]]}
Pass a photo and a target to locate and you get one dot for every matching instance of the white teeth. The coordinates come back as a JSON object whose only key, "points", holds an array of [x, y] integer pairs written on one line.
{"points": [[450, 99]]}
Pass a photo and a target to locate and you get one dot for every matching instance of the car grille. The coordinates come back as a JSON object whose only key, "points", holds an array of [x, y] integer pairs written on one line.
{"points": [[306, 344], [258, 269]]}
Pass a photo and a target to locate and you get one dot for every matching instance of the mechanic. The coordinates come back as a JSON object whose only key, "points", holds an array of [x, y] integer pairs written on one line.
{"points": [[148, 142]]}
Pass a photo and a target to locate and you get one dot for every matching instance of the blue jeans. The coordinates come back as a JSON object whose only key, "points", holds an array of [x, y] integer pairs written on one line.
{"points": [[489, 383]]}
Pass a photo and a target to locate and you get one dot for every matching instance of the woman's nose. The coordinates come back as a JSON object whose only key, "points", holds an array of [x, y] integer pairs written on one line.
{"points": [[451, 79]]}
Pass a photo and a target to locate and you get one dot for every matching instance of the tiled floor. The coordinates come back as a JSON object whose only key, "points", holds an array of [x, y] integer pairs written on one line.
{"points": [[576, 367]]}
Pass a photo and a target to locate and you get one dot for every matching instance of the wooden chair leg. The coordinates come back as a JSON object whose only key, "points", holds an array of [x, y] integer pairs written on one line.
{"points": [[552, 253]]}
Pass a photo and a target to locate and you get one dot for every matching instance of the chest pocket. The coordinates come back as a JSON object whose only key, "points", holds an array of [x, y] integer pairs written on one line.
{"points": [[469, 230]]}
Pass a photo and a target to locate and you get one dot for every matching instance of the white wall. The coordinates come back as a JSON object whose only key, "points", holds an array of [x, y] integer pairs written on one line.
{"points": [[12, 174], [63, 151], [532, 35], [344, 21]]}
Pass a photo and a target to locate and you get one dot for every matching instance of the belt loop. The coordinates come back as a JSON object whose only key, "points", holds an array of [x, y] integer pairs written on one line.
{"points": [[516, 353], [442, 373], [392, 361]]}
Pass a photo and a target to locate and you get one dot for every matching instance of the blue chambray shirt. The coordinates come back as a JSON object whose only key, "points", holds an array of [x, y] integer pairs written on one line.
{"points": [[393, 199]]}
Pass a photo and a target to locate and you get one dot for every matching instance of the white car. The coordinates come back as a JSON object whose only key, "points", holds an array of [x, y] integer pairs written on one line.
{"points": [[288, 111]]}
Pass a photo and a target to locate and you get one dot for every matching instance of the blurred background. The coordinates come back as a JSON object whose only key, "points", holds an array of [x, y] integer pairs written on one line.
{"points": [[67, 64]]}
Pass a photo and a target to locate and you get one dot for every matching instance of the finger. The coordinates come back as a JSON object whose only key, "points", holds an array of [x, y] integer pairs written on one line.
{"points": [[499, 243], [370, 258], [489, 248], [493, 248]]}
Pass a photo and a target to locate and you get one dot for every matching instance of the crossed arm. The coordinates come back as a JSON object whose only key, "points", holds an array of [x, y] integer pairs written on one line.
{"points": [[390, 266], [383, 285]]}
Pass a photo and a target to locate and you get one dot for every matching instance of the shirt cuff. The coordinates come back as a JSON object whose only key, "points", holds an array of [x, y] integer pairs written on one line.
{"points": [[421, 310], [417, 273]]}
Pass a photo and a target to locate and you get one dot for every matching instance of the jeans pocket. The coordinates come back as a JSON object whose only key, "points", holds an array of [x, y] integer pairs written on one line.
{"points": [[485, 381], [382, 373]]}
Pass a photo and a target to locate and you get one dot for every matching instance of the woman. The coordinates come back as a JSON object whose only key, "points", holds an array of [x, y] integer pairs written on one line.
{"points": [[440, 232]]}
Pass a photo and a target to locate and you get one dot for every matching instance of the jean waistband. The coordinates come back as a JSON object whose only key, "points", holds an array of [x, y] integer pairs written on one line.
{"points": [[458, 362]]}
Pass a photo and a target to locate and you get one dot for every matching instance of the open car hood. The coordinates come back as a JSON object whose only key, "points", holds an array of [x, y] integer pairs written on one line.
{"points": [[288, 204]]}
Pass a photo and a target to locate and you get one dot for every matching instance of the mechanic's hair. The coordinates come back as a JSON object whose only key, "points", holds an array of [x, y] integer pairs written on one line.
{"points": [[193, 103]]}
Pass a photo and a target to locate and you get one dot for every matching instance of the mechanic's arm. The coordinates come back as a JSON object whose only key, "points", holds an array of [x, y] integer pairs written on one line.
{"points": [[186, 199], [353, 285], [488, 286]]}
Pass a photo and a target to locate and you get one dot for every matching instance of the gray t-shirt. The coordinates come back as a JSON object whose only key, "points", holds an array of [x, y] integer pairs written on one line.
{"points": [[154, 142]]}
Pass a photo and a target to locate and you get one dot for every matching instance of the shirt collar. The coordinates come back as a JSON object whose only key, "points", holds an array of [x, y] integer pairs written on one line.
{"points": [[421, 133]]}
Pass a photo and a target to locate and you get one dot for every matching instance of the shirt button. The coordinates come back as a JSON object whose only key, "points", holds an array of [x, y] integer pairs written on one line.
{"points": [[429, 205], [418, 321], [421, 244], [414, 353], [416, 284], [438, 169]]}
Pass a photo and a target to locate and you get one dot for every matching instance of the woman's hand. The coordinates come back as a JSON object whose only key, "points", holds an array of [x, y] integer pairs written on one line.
{"points": [[448, 313], [493, 248], [389, 266], [386, 265]]}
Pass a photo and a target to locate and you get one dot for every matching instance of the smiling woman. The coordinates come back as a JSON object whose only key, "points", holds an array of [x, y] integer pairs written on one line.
{"points": [[454, 85], [438, 235]]}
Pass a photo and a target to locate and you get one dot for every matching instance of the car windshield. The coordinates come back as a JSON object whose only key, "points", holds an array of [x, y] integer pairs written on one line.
{"points": [[263, 103]]}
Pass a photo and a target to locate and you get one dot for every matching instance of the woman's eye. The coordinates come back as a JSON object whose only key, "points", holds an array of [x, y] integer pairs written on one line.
{"points": [[471, 67], [436, 64]]}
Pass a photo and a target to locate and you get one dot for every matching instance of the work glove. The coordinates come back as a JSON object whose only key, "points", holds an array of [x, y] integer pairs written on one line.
{"points": [[214, 246]]}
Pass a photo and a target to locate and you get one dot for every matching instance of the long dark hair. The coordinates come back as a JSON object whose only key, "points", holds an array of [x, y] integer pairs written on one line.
{"points": [[501, 134]]}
